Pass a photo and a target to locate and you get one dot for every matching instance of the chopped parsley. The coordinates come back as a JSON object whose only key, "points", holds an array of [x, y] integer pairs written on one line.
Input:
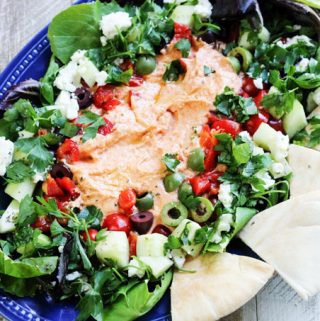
{"points": [[173, 71]]}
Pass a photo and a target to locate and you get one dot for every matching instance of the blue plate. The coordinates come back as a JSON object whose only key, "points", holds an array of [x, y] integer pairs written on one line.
{"points": [[32, 62]]}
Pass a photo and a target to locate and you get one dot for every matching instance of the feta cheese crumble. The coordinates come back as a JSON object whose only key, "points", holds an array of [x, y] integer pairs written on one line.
{"points": [[267, 181], [80, 67], [280, 169], [135, 269], [224, 225], [203, 8], [302, 65], [6, 154], [258, 83], [280, 147], [225, 195], [114, 23], [68, 105], [295, 40]]}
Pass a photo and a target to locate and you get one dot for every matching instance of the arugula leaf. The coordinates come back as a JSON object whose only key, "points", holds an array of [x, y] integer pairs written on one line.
{"points": [[18, 171], [27, 214], [46, 82], [171, 162], [38, 155], [66, 31], [228, 103], [135, 301], [117, 76], [173, 71], [184, 46]]}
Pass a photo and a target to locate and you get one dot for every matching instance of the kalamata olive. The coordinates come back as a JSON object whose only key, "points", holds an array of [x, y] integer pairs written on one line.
{"points": [[60, 170], [142, 221], [162, 229], [209, 36], [84, 97]]}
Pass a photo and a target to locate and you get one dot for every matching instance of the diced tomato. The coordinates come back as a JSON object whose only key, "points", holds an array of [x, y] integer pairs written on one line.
{"points": [[43, 223], [200, 184], [255, 121], [107, 128], [181, 31], [227, 126], [127, 199], [69, 151], [133, 243], [249, 87], [259, 97], [52, 188], [104, 98], [207, 140], [210, 160], [92, 234], [276, 124], [136, 81], [68, 186], [117, 222]]}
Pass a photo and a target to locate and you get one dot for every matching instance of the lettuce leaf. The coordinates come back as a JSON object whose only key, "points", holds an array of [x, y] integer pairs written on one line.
{"points": [[135, 301], [27, 268], [19, 287]]}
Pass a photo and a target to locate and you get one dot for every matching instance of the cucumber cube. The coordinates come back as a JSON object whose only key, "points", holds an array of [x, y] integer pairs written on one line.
{"points": [[295, 120], [151, 245], [8, 218], [114, 246], [158, 265], [19, 190], [190, 249]]}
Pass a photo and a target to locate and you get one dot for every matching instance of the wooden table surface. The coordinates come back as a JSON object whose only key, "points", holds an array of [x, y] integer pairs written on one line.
{"points": [[19, 21]]}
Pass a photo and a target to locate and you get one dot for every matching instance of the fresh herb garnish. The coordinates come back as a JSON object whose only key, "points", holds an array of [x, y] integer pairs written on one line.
{"points": [[230, 104], [173, 71], [184, 46], [117, 76], [93, 122], [171, 161], [208, 70]]}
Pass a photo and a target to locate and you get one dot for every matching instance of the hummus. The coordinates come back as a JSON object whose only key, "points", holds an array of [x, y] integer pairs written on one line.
{"points": [[153, 119]]}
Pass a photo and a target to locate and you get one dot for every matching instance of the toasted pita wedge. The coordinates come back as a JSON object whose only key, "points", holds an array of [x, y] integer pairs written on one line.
{"points": [[287, 236], [221, 284], [305, 165]]}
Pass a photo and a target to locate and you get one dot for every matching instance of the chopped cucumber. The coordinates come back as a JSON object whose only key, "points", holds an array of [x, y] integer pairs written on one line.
{"points": [[274, 111], [178, 257], [244, 41], [19, 190], [114, 246], [158, 265], [8, 217], [273, 141], [151, 245], [192, 227], [313, 100], [295, 120], [183, 14]]}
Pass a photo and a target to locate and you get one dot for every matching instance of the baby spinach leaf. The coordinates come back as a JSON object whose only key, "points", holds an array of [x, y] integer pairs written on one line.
{"points": [[19, 287], [78, 27]]}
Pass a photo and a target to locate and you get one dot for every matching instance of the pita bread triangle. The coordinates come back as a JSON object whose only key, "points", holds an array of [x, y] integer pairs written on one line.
{"points": [[287, 236], [305, 165], [222, 283]]}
